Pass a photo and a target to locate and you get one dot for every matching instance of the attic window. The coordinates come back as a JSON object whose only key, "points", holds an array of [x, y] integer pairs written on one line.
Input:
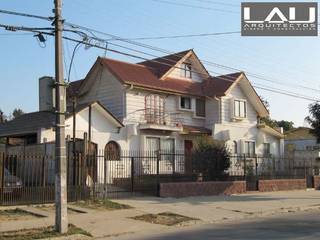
{"points": [[186, 70]]}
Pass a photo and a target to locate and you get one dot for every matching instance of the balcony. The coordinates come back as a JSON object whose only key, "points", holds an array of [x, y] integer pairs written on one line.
{"points": [[160, 120]]}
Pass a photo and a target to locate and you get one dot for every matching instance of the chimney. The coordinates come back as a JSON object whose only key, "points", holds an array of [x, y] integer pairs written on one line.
{"points": [[46, 94]]}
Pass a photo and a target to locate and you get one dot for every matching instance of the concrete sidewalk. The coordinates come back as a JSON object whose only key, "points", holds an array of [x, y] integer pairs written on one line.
{"points": [[214, 209]]}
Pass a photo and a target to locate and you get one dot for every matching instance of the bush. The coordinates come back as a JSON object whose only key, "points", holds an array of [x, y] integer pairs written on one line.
{"points": [[210, 158]]}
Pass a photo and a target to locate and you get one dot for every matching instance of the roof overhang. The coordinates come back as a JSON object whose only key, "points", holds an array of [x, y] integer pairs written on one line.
{"points": [[251, 93], [269, 130]]}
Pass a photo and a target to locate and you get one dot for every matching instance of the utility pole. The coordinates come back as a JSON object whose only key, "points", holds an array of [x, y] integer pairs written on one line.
{"points": [[61, 164]]}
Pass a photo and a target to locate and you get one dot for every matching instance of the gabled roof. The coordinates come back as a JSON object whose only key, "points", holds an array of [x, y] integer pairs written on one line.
{"points": [[162, 65], [30, 123], [149, 75]]}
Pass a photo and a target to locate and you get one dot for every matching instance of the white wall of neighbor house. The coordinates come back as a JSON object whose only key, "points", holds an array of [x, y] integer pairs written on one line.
{"points": [[107, 90]]}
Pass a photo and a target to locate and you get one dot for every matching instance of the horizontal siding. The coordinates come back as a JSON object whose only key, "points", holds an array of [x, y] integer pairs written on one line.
{"points": [[108, 91], [212, 112], [227, 107], [135, 102]]}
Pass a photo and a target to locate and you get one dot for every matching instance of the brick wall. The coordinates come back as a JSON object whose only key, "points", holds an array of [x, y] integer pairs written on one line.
{"points": [[316, 182], [187, 189], [282, 185]]}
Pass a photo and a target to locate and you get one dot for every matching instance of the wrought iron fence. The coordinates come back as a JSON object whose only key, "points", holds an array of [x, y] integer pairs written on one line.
{"points": [[28, 178]]}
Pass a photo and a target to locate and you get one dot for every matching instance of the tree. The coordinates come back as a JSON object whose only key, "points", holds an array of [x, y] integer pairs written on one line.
{"points": [[314, 119], [17, 112], [210, 158]]}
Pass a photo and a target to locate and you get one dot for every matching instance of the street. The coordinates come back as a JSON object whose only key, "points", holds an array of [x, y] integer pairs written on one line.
{"points": [[303, 225]]}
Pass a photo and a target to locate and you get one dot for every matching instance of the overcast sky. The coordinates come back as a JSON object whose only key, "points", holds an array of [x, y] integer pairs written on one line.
{"points": [[288, 63]]}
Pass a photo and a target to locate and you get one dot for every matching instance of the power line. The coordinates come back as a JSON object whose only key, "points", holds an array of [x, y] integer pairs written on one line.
{"points": [[36, 30], [219, 3], [25, 15], [180, 36], [196, 6]]}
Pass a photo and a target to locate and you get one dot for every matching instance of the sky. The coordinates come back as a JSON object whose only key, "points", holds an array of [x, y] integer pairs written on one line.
{"points": [[291, 64]]}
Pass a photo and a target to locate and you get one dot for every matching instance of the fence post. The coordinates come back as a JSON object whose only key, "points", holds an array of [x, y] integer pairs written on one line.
{"points": [[2, 157], [158, 172], [244, 165], [257, 175], [132, 174]]}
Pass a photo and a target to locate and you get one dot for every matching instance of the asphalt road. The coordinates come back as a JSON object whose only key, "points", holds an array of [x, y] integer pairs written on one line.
{"points": [[293, 226]]}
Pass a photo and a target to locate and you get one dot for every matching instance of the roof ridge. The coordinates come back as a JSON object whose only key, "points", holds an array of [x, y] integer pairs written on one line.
{"points": [[120, 61]]}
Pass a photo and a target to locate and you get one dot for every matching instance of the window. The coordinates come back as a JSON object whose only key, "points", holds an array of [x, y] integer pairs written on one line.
{"points": [[157, 143], [250, 148], [185, 103], [112, 151], [235, 147], [240, 108], [266, 149], [200, 108], [186, 70]]}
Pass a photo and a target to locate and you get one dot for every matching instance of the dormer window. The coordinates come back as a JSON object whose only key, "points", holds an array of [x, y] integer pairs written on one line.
{"points": [[186, 70]]}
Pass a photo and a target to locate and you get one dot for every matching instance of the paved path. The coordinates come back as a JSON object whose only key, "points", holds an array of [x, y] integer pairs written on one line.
{"points": [[295, 226], [104, 224]]}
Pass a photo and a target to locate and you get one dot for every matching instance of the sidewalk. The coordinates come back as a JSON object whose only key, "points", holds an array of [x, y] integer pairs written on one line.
{"points": [[213, 209]]}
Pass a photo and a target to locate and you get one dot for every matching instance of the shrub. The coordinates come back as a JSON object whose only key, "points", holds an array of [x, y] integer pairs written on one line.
{"points": [[210, 158]]}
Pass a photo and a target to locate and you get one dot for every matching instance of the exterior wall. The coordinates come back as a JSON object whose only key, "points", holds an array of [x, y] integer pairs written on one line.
{"points": [[135, 105], [302, 144], [187, 189], [108, 91], [316, 182], [282, 185], [243, 130]]}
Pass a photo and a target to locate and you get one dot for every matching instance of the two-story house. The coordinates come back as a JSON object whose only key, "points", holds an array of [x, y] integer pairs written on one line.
{"points": [[165, 103]]}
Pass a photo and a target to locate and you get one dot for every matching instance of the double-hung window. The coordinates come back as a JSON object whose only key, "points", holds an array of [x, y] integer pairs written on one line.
{"points": [[185, 103], [200, 107], [240, 108], [250, 148]]}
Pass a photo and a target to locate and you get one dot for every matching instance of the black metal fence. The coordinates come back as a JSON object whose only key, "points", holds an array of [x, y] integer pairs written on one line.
{"points": [[29, 178]]}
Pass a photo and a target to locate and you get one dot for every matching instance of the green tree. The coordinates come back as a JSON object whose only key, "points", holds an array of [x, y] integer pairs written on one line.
{"points": [[314, 119], [210, 158], [17, 112]]}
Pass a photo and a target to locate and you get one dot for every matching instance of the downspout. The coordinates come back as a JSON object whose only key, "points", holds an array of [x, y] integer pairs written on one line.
{"points": [[219, 108]]}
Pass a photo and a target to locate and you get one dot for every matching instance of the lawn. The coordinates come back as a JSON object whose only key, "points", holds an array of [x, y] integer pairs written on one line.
{"points": [[105, 204], [16, 214], [40, 233]]}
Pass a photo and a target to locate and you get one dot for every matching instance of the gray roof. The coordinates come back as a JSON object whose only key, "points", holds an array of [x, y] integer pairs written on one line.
{"points": [[30, 123], [27, 123]]}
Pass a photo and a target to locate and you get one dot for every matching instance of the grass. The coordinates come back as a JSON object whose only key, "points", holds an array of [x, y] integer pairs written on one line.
{"points": [[16, 214], [40, 233], [51, 208], [165, 218], [102, 204]]}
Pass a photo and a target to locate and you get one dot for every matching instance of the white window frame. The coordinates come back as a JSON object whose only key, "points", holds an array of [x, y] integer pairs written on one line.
{"points": [[240, 116], [186, 70], [185, 109], [247, 151], [264, 149]]}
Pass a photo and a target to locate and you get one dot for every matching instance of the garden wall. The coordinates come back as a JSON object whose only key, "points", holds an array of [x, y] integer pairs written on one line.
{"points": [[187, 189], [282, 185], [316, 182]]}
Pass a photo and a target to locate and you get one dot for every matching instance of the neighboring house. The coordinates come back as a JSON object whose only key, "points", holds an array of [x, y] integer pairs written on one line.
{"points": [[38, 127], [302, 148], [165, 103]]}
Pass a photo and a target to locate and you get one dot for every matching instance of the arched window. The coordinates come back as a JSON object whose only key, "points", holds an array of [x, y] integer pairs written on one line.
{"points": [[112, 151], [235, 147]]}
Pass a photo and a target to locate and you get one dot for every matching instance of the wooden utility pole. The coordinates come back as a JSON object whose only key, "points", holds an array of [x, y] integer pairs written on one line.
{"points": [[61, 164]]}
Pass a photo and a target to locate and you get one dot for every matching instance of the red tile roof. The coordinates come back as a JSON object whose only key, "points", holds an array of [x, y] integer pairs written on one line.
{"points": [[143, 75], [161, 65]]}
